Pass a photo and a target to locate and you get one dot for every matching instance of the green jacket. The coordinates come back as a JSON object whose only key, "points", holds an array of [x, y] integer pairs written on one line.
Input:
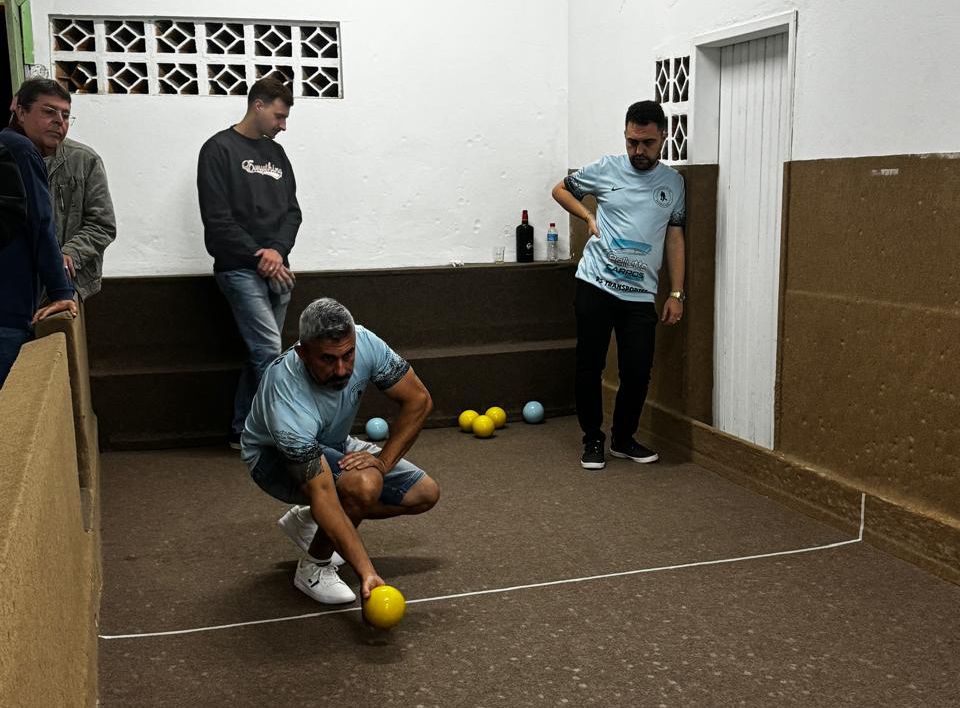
{"points": [[83, 211]]}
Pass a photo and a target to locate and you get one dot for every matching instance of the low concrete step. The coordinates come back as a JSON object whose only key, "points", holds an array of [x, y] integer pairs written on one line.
{"points": [[148, 408]]}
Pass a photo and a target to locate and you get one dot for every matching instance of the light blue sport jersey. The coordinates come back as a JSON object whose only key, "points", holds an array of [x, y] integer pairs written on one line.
{"points": [[634, 208], [298, 417]]}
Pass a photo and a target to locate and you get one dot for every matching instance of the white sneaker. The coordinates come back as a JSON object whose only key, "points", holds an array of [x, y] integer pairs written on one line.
{"points": [[300, 527], [322, 583]]}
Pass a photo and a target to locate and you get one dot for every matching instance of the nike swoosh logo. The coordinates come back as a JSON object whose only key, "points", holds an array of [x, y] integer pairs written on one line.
{"points": [[614, 189]]}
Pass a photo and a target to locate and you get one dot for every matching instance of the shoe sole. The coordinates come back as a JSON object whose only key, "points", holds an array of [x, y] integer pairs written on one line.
{"points": [[642, 460], [305, 589], [235, 446], [593, 465]]}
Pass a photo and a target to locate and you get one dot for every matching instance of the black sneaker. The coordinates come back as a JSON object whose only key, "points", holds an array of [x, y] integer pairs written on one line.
{"points": [[632, 450], [592, 457], [235, 441]]}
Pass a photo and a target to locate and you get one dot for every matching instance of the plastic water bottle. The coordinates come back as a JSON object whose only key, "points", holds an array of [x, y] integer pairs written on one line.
{"points": [[552, 254]]}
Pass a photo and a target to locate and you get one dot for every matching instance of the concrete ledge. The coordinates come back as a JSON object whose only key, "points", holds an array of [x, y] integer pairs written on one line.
{"points": [[478, 335], [49, 569], [193, 407], [928, 541]]}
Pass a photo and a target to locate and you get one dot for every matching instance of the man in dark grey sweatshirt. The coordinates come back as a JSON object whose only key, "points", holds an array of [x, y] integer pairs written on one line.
{"points": [[248, 204]]}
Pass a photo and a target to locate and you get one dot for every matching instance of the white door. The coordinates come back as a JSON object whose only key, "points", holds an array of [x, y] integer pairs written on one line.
{"points": [[754, 129]]}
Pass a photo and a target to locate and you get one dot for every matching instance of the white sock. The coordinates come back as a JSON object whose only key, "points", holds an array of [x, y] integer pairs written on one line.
{"points": [[318, 561]]}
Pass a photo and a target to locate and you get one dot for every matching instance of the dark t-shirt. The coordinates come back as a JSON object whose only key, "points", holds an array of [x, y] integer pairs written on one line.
{"points": [[248, 199]]}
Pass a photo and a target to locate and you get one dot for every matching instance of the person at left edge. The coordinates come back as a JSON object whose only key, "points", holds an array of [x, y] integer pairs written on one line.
{"points": [[248, 204], [29, 252], [82, 208]]}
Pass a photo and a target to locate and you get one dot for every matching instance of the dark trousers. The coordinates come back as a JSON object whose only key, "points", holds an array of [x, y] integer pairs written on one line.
{"points": [[635, 324]]}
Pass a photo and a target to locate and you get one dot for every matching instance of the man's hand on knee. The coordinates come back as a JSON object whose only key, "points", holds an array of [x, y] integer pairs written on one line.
{"points": [[360, 460]]}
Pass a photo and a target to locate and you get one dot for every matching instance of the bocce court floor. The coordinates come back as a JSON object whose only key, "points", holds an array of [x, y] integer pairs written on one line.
{"points": [[521, 591]]}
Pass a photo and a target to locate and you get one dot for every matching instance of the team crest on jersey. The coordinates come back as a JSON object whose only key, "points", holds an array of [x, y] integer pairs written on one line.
{"points": [[356, 391], [663, 197]]}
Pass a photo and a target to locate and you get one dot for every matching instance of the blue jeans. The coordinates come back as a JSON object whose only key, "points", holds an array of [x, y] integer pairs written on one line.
{"points": [[272, 475], [11, 339], [259, 314]]}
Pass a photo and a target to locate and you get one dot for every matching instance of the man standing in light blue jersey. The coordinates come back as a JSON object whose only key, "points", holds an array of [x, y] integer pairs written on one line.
{"points": [[297, 446], [641, 212]]}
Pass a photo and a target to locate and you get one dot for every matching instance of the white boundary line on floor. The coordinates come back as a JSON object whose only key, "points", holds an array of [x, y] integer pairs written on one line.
{"points": [[567, 581]]}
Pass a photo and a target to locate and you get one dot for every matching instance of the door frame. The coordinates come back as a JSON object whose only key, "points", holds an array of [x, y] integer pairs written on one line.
{"points": [[17, 14], [704, 129], [705, 139]]}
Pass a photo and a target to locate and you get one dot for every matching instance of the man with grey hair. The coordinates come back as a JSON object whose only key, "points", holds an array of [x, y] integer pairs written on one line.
{"points": [[297, 446]]}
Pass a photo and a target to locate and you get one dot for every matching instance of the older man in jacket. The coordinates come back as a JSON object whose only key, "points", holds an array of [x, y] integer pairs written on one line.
{"points": [[82, 207]]}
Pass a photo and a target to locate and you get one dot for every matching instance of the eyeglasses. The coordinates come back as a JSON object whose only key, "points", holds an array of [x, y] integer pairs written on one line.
{"points": [[50, 113]]}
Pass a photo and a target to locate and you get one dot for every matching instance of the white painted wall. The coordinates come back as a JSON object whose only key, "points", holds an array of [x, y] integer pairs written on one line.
{"points": [[873, 77], [454, 120], [457, 116]]}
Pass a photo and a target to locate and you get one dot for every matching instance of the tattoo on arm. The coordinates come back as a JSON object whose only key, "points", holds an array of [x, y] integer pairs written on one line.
{"points": [[395, 369], [303, 472]]}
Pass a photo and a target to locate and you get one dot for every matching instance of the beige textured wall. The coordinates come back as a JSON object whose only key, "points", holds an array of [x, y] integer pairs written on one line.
{"points": [[869, 383], [49, 552], [84, 420]]}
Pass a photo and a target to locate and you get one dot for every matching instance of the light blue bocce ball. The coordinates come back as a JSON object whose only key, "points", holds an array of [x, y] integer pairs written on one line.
{"points": [[533, 412], [377, 429]]}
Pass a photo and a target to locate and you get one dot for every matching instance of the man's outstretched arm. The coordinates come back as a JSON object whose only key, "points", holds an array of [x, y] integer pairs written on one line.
{"points": [[333, 521]]}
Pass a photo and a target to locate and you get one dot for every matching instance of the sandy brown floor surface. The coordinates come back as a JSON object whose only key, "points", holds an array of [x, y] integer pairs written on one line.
{"points": [[190, 543]]}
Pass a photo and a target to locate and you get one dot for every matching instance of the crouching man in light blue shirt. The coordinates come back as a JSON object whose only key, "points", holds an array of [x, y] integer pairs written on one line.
{"points": [[297, 446]]}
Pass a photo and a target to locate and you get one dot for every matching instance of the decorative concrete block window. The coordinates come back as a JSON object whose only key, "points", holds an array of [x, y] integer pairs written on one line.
{"points": [[672, 90], [177, 56]]}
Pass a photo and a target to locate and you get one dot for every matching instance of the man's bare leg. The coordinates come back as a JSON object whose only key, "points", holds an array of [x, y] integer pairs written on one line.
{"points": [[356, 490], [359, 492]]}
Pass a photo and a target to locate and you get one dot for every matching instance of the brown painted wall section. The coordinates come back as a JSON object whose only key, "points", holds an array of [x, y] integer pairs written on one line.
{"points": [[50, 571], [478, 335], [682, 378], [870, 339]]}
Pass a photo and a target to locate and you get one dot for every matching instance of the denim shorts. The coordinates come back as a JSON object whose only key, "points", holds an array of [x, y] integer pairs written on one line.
{"points": [[272, 476]]}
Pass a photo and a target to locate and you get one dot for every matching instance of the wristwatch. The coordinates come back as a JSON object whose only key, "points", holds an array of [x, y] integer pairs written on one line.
{"points": [[679, 294]]}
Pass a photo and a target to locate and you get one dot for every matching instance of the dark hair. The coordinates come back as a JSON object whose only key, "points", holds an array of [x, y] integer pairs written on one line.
{"points": [[32, 89], [643, 112], [268, 90]]}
